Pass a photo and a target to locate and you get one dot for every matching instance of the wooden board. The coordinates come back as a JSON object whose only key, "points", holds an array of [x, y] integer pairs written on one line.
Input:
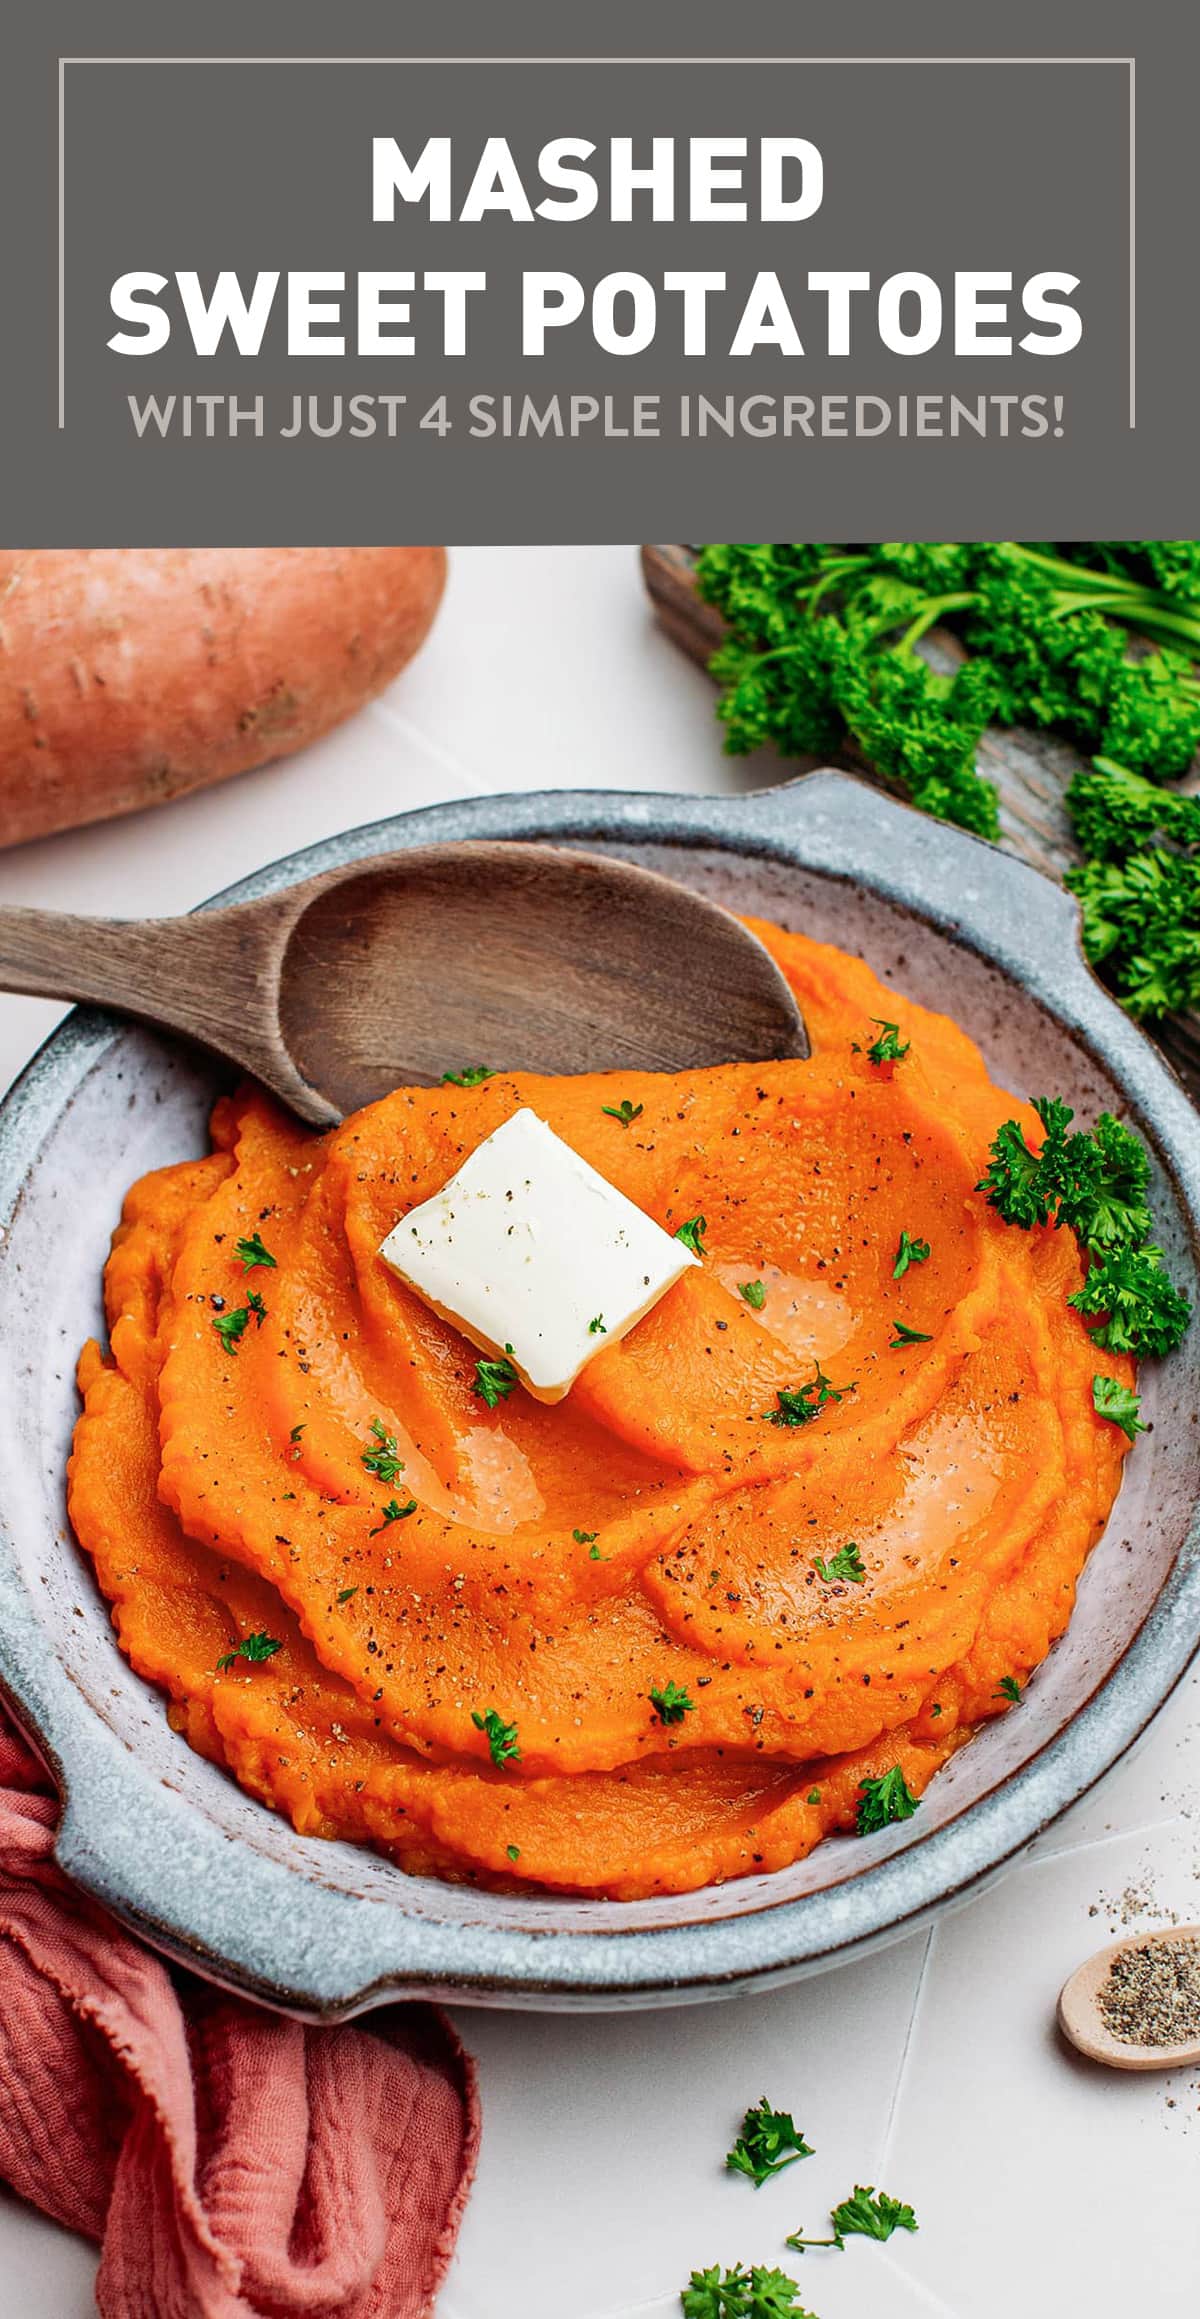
{"points": [[1030, 770]]}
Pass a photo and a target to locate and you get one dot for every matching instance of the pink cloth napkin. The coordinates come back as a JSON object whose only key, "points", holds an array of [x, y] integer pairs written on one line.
{"points": [[233, 2165]]}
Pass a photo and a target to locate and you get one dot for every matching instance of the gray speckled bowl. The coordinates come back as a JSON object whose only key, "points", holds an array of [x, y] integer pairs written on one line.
{"points": [[174, 1847]]}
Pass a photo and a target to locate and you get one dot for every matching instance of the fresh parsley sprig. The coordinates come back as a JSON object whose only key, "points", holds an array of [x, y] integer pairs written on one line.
{"points": [[865, 2214], [799, 1404], [769, 2141], [1096, 1184], [671, 1703], [252, 1251], [252, 1647], [692, 1234], [495, 1380], [844, 1566], [909, 1251], [737, 2293], [883, 1801], [503, 1743], [1119, 1404], [231, 1327], [384, 1461]]}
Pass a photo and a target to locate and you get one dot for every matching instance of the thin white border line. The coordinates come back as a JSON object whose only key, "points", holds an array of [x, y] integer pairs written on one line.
{"points": [[1129, 62]]}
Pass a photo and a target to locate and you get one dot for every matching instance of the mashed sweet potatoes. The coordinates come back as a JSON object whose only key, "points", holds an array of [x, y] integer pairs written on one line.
{"points": [[473, 1631]]}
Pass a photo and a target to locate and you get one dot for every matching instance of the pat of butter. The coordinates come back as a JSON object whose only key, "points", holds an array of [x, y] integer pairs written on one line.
{"points": [[531, 1253]]}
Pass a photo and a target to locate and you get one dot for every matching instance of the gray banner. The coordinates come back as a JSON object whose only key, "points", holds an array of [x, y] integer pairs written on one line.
{"points": [[901, 361]]}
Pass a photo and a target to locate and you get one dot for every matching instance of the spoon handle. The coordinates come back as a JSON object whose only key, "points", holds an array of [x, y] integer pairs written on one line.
{"points": [[208, 976]]}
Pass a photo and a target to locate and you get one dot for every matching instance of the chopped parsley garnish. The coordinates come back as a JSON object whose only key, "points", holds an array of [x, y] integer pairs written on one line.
{"points": [[495, 1380], [624, 1112], [1009, 1688], [799, 1404], [866, 2214], [692, 1234], [296, 1433], [502, 1740], [813, 1796], [752, 1293], [769, 2141], [594, 1555], [513, 1851], [585, 1537], [385, 1462], [596, 1328], [473, 1075], [1115, 1401], [1097, 1185], [910, 1251], [346, 1593], [394, 1512], [252, 1647], [906, 1336], [882, 1801], [889, 1047], [671, 1703], [741, 2294], [251, 1252], [846, 1564], [231, 1327]]}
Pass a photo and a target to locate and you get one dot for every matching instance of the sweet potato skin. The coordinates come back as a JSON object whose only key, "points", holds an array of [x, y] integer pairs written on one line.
{"points": [[132, 675]]}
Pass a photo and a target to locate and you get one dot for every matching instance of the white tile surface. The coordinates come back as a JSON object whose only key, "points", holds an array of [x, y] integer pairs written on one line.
{"points": [[1044, 2188]]}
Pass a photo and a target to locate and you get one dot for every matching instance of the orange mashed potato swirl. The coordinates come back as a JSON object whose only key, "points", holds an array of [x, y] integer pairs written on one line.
{"points": [[557, 1568]]}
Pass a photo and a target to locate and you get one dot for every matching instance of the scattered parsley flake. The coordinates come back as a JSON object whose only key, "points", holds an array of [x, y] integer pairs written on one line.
{"points": [[252, 1647], [513, 1851], [495, 1380], [799, 1404], [596, 1328], [753, 1293], [594, 1555], [503, 1744], [585, 1537], [473, 1075], [1009, 1688], [671, 1703], [1115, 1401], [346, 1593], [883, 1801], [296, 1432], [769, 2141], [624, 1112], [385, 1462], [231, 1327], [393, 1512], [813, 1796], [251, 1252], [692, 1234], [910, 1251], [906, 1336], [888, 1047], [844, 1566]]}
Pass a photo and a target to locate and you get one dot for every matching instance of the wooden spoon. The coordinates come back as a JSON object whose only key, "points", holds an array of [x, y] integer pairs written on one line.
{"points": [[399, 969], [1082, 2022]]}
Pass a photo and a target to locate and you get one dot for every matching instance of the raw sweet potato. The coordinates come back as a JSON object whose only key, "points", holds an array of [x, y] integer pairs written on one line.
{"points": [[132, 675]]}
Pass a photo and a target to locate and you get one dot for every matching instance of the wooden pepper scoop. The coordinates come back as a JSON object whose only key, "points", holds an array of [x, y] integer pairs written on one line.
{"points": [[399, 969], [1136, 2005]]}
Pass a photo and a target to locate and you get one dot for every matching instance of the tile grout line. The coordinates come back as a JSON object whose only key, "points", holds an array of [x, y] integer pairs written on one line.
{"points": [[917, 2287], [909, 2035], [472, 783], [1098, 1843]]}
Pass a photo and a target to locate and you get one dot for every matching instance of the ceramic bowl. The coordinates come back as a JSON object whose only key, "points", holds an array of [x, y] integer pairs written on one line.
{"points": [[175, 1849]]}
